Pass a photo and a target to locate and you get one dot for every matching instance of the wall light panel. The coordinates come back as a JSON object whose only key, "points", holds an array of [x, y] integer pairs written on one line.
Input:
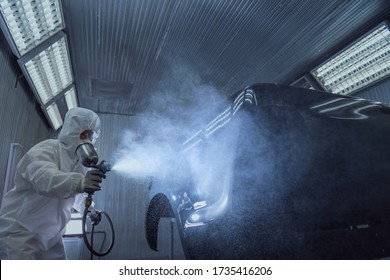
{"points": [[362, 63]]}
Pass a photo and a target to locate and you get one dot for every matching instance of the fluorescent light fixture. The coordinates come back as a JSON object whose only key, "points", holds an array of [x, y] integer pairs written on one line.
{"points": [[70, 98], [54, 116], [364, 62], [27, 23], [48, 68]]}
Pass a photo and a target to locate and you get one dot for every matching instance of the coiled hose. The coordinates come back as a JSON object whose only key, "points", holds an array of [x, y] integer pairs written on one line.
{"points": [[90, 244]]}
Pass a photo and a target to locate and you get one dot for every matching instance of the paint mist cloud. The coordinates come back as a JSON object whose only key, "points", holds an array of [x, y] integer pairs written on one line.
{"points": [[175, 111]]}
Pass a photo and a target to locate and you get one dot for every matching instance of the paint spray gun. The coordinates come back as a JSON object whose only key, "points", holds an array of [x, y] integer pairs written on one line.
{"points": [[87, 154]]}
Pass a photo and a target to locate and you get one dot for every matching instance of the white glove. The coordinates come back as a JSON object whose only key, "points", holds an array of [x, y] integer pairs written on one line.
{"points": [[90, 182]]}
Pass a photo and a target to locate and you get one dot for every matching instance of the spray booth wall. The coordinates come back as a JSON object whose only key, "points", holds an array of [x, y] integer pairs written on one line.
{"points": [[20, 118]]}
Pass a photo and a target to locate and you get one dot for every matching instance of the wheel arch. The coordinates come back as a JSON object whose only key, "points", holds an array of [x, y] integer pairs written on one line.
{"points": [[159, 207]]}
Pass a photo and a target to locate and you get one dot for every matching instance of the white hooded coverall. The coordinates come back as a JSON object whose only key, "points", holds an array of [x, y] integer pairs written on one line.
{"points": [[35, 211]]}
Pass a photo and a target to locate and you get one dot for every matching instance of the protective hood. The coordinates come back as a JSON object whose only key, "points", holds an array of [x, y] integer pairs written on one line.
{"points": [[76, 121]]}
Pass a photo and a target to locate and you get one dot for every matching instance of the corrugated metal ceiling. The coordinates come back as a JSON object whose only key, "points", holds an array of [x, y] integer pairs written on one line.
{"points": [[135, 47]]}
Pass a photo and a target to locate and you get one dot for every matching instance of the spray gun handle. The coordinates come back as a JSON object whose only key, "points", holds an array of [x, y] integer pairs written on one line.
{"points": [[88, 201]]}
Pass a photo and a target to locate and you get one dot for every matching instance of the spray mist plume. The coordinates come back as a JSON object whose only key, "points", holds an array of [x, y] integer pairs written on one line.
{"points": [[180, 107]]}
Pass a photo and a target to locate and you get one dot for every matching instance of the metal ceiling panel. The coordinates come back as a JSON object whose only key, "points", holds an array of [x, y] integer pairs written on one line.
{"points": [[227, 43]]}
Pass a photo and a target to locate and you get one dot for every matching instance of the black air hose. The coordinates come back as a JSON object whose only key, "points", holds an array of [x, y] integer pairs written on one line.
{"points": [[90, 245]]}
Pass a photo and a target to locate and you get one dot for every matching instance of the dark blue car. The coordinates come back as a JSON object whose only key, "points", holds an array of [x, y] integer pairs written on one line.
{"points": [[282, 173]]}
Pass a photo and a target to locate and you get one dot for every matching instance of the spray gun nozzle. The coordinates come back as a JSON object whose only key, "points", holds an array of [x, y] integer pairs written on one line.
{"points": [[102, 166]]}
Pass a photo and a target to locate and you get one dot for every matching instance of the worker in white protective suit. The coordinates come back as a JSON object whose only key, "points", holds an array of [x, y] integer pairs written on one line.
{"points": [[49, 181]]}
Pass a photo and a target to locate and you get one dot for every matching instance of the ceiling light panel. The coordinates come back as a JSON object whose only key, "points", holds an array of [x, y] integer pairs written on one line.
{"points": [[361, 64], [70, 98], [49, 71], [54, 116], [30, 22]]}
